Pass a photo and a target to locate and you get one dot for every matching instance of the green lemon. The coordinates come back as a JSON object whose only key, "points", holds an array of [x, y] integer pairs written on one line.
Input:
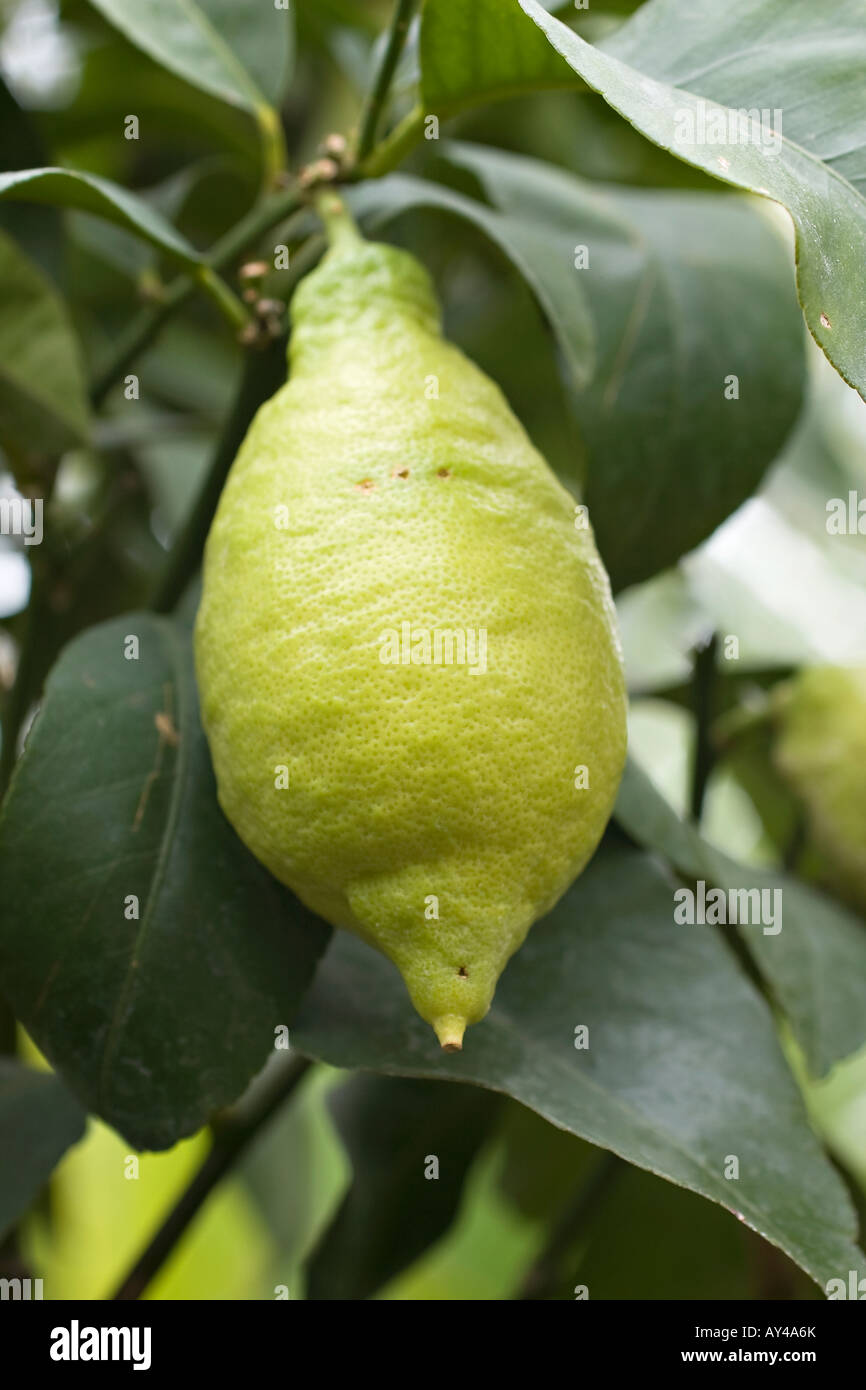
{"points": [[410, 675], [820, 750]]}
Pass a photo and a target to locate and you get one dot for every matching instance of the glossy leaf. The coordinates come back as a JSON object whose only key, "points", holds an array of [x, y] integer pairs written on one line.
{"points": [[683, 1066], [148, 954], [483, 51], [397, 1205], [687, 291], [39, 1120], [815, 964], [68, 189], [681, 66], [43, 401]]}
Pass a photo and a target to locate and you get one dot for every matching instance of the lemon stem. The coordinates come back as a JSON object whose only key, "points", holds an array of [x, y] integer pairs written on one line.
{"points": [[340, 226], [274, 156]]}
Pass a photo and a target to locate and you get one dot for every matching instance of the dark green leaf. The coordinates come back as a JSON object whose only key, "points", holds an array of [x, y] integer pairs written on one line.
{"points": [[527, 246], [39, 1120], [676, 316], [43, 400], [683, 1066], [154, 1021], [680, 64], [67, 188], [398, 1205], [816, 963]]}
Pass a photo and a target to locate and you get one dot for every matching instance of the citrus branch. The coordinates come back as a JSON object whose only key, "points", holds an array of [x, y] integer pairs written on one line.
{"points": [[273, 144], [264, 371], [703, 695], [542, 1280], [232, 1134], [145, 327], [371, 116], [393, 149], [224, 298]]}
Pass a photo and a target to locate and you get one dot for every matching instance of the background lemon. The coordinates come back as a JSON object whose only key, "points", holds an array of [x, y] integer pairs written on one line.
{"points": [[820, 751]]}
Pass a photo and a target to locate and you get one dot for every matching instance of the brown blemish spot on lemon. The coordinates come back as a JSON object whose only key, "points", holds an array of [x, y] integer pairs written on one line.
{"points": [[365, 485]]}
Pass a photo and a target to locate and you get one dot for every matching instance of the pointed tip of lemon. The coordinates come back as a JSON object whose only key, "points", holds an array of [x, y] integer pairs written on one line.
{"points": [[449, 1030]]}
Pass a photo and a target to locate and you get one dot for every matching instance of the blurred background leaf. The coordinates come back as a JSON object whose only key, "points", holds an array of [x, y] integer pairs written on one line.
{"points": [[39, 1120], [241, 56], [411, 1144], [21, 147], [43, 402], [104, 1208], [68, 188]]}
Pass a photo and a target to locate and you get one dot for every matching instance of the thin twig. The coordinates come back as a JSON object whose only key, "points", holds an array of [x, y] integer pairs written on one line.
{"points": [[27, 676], [371, 116], [264, 371], [225, 299], [543, 1278], [391, 151], [146, 325], [704, 689], [10, 1254], [262, 374], [231, 1137], [274, 154]]}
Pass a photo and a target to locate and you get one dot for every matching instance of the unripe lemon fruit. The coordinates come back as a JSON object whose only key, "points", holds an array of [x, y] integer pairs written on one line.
{"points": [[404, 610]]}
